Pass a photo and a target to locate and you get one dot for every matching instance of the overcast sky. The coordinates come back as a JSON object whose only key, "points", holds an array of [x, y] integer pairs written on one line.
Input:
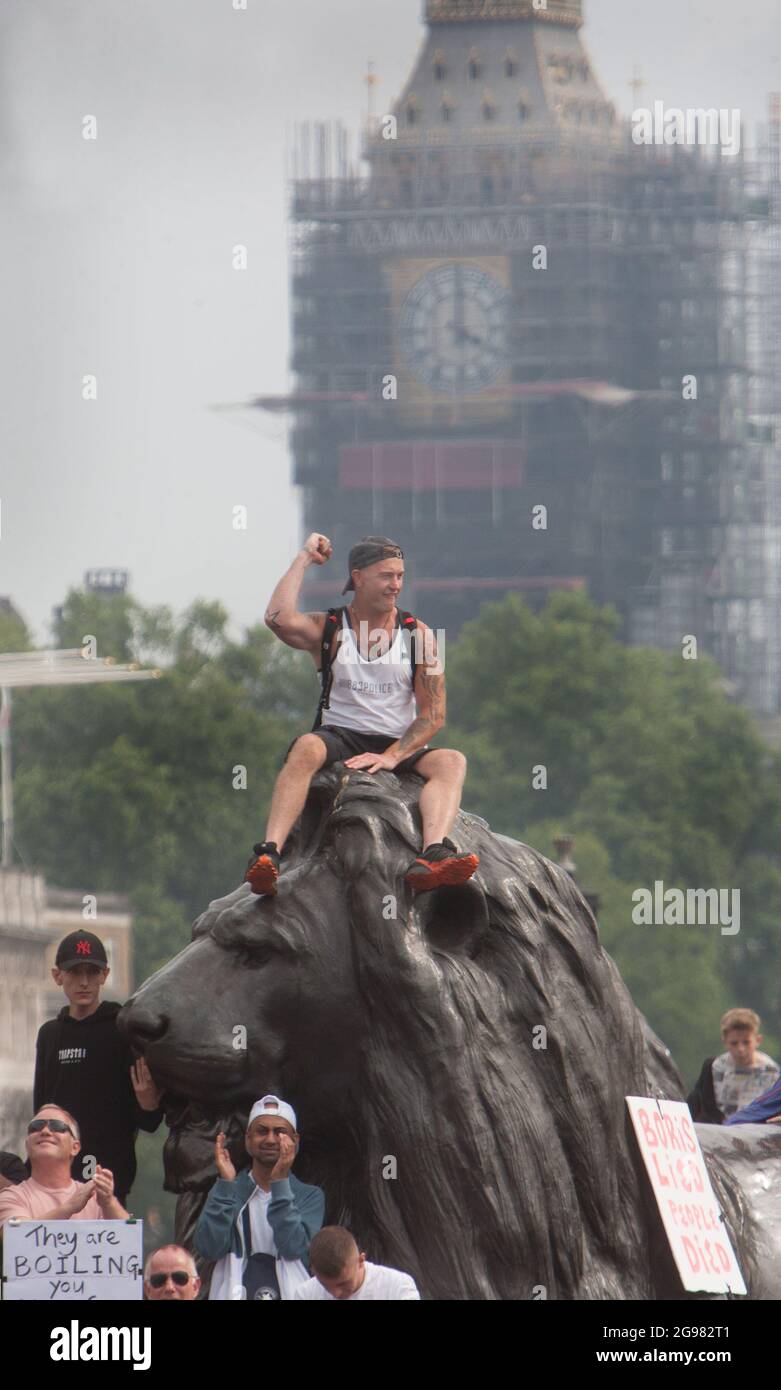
{"points": [[116, 259]]}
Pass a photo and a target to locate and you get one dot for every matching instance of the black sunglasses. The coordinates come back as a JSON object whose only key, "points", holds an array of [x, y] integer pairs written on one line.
{"points": [[56, 1127], [179, 1277]]}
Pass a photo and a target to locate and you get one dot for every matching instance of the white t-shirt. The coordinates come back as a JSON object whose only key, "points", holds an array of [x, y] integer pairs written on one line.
{"points": [[260, 1229], [379, 1284]]}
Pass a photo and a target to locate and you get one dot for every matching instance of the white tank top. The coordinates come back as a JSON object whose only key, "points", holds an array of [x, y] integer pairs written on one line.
{"points": [[374, 697]]}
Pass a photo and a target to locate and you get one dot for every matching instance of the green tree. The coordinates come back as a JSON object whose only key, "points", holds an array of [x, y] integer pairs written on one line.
{"points": [[138, 788], [109, 618], [656, 773], [754, 968], [14, 632]]}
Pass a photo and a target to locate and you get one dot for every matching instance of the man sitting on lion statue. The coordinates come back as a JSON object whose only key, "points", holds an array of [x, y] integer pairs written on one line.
{"points": [[382, 699]]}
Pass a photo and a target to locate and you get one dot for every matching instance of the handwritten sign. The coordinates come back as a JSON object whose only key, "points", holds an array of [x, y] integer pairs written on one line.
{"points": [[687, 1203], [89, 1261]]}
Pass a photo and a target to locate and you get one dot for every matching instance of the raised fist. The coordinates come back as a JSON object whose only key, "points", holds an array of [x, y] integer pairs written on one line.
{"points": [[318, 548]]}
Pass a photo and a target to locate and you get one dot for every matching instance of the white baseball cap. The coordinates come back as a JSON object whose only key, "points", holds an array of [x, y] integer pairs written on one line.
{"points": [[272, 1105]]}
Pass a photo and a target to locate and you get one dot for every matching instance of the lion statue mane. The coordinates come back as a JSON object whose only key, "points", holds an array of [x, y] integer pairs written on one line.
{"points": [[458, 1060]]}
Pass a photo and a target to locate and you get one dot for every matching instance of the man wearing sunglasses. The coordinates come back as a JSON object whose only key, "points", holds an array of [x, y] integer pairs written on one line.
{"points": [[51, 1194], [170, 1273]]}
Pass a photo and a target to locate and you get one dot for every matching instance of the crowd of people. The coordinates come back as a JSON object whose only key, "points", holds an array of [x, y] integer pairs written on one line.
{"points": [[261, 1229]]}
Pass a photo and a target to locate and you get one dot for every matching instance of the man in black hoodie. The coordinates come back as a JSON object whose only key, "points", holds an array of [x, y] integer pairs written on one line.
{"points": [[83, 1064]]}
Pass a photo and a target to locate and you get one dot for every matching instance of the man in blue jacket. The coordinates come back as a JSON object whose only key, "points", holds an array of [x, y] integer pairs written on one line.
{"points": [[258, 1225]]}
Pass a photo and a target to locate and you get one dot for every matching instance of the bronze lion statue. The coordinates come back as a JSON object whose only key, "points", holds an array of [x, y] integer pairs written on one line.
{"points": [[458, 1060]]}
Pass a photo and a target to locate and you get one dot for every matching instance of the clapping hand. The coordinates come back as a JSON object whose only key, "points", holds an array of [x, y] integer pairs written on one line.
{"points": [[223, 1159], [287, 1154], [80, 1198], [104, 1186]]}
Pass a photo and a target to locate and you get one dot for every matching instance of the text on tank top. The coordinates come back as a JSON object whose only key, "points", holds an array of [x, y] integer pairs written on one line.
{"points": [[374, 697]]}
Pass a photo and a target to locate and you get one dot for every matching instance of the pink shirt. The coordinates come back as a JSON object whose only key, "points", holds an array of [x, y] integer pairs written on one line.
{"points": [[29, 1199]]}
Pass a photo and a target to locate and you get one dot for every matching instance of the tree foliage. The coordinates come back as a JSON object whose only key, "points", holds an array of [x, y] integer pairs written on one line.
{"points": [[657, 774], [138, 788]]}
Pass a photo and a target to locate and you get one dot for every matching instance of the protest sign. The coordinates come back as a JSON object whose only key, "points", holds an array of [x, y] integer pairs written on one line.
{"points": [[84, 1260], [687, 1203]]}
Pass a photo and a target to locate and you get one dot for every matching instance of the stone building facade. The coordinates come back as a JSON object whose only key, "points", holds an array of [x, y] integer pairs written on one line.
{"points": [[33, 919]]}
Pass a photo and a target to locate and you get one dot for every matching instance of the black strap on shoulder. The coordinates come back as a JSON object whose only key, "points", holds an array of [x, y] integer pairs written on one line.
{"points": [[333, 622], [408, 624], [333, 619]]}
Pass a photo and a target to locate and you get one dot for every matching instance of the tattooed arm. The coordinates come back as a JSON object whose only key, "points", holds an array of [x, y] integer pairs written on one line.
{"points": [[429, 696], [303, 631]]}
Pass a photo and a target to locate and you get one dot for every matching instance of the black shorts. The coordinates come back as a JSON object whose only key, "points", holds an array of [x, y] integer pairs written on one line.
{"points": [[346, 743]]}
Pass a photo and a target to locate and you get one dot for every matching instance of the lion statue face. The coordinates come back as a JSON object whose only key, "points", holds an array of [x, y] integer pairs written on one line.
{"points": [[458, 1062], [257, 993]]}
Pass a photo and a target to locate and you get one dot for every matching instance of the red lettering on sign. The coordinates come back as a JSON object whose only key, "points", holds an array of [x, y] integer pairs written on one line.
{"points": [[650, 1137], [665, 1182], [670, 1127], [691, 1251], [688, 1136]]}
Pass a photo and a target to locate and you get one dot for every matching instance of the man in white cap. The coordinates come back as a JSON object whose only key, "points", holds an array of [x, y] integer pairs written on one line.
{"points": [[258, 1225]]}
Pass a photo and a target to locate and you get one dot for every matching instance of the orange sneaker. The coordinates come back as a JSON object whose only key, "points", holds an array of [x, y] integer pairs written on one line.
{"points": [[440, 864], [263, 871]]}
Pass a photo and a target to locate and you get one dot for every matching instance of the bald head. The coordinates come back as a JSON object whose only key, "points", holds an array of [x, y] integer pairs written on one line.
{"points": [[170, 1273]]}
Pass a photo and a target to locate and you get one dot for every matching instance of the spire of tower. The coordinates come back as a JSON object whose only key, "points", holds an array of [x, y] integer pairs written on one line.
{"points": [[498, 71], [564, 12]]}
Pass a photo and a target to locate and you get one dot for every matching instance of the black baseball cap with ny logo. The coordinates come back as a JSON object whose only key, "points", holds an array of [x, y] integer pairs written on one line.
{"points": [[80, 948]]}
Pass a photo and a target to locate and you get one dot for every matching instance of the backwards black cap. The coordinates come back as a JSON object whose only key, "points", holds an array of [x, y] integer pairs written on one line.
{"points": [[368, 551]]}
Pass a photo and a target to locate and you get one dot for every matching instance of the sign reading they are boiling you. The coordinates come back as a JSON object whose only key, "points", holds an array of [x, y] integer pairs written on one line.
{"points": [[47, 1261]]}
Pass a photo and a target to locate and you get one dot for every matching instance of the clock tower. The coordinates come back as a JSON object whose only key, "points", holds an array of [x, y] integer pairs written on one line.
{"points": [[430, 297], [491, 327]]}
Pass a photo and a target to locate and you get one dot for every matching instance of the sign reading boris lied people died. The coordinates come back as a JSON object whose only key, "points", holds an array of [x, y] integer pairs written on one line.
{"points": [[47, 1261], [687, 1203]]}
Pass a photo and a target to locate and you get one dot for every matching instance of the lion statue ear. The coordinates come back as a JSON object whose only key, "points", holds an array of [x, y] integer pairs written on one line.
{"points": [[454, 919]]}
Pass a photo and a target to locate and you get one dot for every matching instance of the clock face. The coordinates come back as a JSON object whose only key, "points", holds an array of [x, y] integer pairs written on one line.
{"points": [[453, 329]]}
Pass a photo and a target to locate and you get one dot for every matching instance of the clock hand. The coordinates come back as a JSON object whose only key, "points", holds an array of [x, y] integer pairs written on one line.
{"points": [[462, 335]]}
